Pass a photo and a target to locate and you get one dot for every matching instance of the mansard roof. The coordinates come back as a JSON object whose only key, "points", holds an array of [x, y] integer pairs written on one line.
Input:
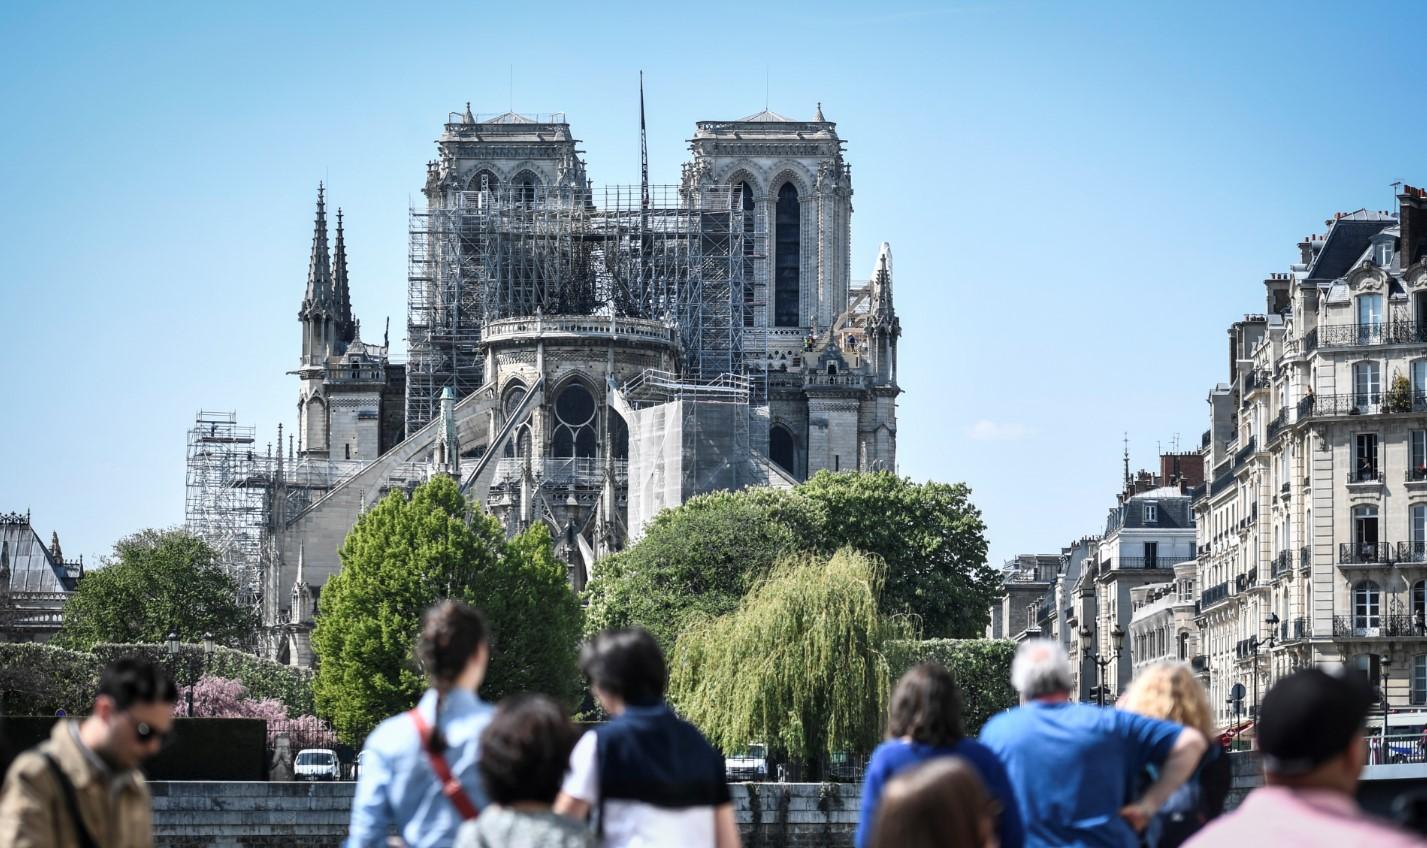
{"points": [[1348, 238]]}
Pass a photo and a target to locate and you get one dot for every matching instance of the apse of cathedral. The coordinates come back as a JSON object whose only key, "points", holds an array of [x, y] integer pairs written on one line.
{"points": [[585, 356]]}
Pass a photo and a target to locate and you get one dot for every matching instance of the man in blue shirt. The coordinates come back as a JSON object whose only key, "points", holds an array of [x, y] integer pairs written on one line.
{"points": [[1073, 765]]}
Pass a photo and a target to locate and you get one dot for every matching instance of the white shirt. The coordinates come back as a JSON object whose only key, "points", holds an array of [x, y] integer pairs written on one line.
{"points": [[632, 824]]}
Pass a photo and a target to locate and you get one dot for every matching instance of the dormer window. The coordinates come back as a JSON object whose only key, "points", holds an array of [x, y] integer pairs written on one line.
{"points": [[1151, 512], [1384, 253]]}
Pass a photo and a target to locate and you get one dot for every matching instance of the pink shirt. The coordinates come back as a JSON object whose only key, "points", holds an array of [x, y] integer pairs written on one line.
{"points": [[1303, 818]]}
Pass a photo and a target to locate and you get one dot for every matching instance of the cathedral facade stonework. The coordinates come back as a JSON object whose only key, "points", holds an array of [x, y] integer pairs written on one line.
{"points": [[582, 357]]}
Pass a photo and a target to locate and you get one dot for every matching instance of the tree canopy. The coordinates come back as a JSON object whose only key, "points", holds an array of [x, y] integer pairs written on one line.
{"points": [[930, 535], [799, 665], [156, 582], [699, 558], [703, 556], [404, 555]]}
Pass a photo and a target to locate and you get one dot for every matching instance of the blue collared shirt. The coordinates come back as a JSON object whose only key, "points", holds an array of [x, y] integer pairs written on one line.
{"points": [[396, 786]]}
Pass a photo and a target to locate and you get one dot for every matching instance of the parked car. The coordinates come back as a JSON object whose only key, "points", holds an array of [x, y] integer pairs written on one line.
{"points": [[317, 764], [748, 764]]}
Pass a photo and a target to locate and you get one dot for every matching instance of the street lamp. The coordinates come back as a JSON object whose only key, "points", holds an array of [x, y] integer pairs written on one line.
{"points": [[1087, 634], [1254, 644]]}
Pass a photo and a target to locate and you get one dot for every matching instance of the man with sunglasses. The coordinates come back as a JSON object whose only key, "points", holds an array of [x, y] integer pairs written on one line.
{"points": [[82, 787]]}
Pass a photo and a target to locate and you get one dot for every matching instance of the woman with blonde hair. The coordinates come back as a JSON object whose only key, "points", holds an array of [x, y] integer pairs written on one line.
{"points": [[1169, 690]]}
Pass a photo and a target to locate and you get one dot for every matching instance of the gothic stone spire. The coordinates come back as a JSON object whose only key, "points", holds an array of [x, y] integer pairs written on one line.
{"points": [[342, 295], [319, 269]]}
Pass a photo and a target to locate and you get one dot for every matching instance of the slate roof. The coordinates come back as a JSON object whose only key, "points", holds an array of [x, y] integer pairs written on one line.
{"points": [[27, 559], [1348, 239]]}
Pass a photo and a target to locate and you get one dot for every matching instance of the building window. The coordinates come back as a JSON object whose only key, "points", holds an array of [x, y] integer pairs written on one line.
{"points": [[1365, 467], [1418, 371], [523, 187], [1367, 385], [1365, 533], [781, 447], [1367, 608], [1419, 606], [618, 436], [787, 257], [1369, 318], [482, 180], [1419, 680], [1417, 463], [1151, 554], [574, 430]]}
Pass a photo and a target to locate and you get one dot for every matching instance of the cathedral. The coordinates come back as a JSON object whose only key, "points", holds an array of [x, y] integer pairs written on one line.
{"points": [[584, 356]]}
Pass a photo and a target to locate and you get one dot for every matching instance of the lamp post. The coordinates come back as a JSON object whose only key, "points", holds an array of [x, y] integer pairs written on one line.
{"points": [[1254, 644], [1382, 669], [1087, 634]]}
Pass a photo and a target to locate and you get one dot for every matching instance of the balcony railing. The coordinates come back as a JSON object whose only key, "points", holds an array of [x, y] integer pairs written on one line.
{"points": [[1256, 379], [1376, 626], [1244, 452], [1282, 563], [1361, 403], [1220, 483], [1418, 473], [1366, 474], [1249, 580], [1305, 556], [1199, 663], [1213, 595], [1364, 553], [1411, 552], [1276, 426], [1360, 335], [1293, 630]]}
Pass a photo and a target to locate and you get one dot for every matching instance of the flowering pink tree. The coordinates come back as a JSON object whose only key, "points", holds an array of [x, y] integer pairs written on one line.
{"points": [[220, 697]]}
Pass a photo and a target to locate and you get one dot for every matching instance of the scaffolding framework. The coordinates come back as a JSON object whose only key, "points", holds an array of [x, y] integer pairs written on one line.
{"points": [[225, 499], [687, 255]]}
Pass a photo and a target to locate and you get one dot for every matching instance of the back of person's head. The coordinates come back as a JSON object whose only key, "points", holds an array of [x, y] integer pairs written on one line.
{"points": [[1040, 668], [1169, 690], [452, 632], [626, 664], [525, 750], [940, 802], [1310, 728], [130, 681], [926, 706]]}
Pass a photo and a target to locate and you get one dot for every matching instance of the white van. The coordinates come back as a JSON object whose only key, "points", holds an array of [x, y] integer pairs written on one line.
{"points": [[317, 764]]}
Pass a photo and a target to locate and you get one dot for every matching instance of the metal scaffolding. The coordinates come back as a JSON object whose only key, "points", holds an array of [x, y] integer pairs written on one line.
{"points": [[226, 497], [685, 255]]}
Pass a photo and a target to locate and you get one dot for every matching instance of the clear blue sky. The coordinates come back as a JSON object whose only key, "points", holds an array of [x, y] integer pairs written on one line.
{"points": [[1080, 198]]}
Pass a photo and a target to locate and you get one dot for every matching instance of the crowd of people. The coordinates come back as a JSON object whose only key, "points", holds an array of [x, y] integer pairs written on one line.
{"points": [[458, 771]]}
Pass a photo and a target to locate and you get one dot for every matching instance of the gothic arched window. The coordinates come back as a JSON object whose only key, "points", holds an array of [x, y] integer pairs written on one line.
{"points": [[618, 436], [782, 448], [575, 423], [787, 257], [523, 187], [482, 180]]}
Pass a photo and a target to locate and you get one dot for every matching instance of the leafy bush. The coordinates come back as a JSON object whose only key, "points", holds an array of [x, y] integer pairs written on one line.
{"points": [[38, 679], [982, 668]]}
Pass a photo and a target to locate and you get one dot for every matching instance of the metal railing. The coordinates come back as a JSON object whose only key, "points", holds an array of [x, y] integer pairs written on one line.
{"points": [[1305, 556], [1382, 332], [1214, 595], [1366, 474], [1220, 483], [1398, 748], [1245, 452], [1411, 552], [1361, 403], [1277, 425], [1282, 563], [1376, 626], [1418, 473], [1293, 630], [1363, 553]]}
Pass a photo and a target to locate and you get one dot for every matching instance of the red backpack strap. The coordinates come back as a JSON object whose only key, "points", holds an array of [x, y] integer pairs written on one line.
{"points": [[450, 786]]}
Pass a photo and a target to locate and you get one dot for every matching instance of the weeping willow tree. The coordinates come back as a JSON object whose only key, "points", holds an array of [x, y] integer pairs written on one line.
{"points": [[800, 665]]}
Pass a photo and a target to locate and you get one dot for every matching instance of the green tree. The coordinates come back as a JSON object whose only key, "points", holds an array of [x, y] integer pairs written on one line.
{"points": [[930, 535], [800, 664], [402, 556], [982, 668], [701, 557], [156, 582]]}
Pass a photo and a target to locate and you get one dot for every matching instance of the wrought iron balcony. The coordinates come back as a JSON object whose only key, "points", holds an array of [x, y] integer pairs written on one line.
{"points": [[1416, 474], [1282, 563], [1220, 483], [1361, 403], [1412, 552], [1363, 553], [1294, 630], [1376, 626], [1247, 581], [1213, 595], [1366, 474], [1277, 425], [1305, 556], [1382, 332], [1199, 663], [1256, 379], [1244, 452]]}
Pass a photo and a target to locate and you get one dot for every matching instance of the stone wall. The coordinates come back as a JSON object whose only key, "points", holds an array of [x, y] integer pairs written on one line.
{"points": [[200, 814]]}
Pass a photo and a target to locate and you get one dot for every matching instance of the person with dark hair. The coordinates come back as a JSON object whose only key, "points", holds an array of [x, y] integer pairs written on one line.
{"points": [[1310, 736], [936, 803], [647, 776], [82, 786], [419, 768], [924, 723], [524, 753]]}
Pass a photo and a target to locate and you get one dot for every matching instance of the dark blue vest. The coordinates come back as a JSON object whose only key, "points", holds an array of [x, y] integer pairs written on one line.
{"points": [[649, 755]]}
